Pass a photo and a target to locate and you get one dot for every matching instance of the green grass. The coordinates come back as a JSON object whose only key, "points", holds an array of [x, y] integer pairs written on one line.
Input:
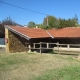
{"points": [[34, 66], [68, 73]]}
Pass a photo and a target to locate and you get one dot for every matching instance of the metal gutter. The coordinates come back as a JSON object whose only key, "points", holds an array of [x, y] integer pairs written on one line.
{"points": [[13, 30], [49, 34]]}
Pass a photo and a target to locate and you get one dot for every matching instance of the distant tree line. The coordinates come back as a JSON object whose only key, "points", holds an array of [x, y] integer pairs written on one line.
{"points": [[53, 22], [7, 21], [48, 23]]}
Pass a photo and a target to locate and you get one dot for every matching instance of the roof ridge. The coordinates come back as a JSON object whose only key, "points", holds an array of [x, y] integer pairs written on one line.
{"points": [[49, 34]]}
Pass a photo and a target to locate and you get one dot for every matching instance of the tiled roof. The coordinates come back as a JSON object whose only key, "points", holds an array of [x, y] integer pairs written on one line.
{"points": [[69, 32], [31, 32]]}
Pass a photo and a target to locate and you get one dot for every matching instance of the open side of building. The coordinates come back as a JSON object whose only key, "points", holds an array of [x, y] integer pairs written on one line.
{"points": [[20, 39]]}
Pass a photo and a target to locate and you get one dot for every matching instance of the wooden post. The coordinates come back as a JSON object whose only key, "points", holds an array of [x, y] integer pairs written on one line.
{"points": [[40, 47], [7, 37], [29, 46], [47, 45], [26, 44], [34, 45], [58, 46], [68, 47]]}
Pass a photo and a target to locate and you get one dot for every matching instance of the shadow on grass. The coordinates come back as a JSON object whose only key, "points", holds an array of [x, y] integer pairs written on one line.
{"points": [[52, 52]]}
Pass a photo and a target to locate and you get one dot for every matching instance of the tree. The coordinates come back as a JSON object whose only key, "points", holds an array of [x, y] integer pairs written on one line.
{"points": [[31, 24], [8, 21], [62, 23], [75, 19], [52, 22], [73, 22]]}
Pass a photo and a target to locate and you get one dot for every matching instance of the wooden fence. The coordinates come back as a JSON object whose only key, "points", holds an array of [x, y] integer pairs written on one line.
{"points": [[2, 46], [54, 46]]}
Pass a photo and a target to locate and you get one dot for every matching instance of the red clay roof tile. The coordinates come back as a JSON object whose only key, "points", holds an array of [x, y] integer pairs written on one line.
{"points": [[31, 32], [69, 32]]}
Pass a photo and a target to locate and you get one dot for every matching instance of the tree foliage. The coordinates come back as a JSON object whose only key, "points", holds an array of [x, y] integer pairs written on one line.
{"points": [[54, 22], [31, 24], [8, 21], [67, 23]]}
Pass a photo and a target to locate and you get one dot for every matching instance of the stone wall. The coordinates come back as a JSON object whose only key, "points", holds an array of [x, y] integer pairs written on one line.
{"points": [[16, 43]]}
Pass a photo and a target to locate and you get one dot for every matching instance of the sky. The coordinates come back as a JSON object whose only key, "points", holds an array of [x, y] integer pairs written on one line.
{"points": [[58, 8]]}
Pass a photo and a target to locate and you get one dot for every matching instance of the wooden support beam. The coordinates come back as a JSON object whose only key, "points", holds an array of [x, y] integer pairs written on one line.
{"points": [[26, 44], [29, 46], [34, 45], [58, 46], [40, 47], [7, 37], [47, 45], [68, 47]]}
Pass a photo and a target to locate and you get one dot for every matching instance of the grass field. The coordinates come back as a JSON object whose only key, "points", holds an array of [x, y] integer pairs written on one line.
{"points": [[34, 66]]}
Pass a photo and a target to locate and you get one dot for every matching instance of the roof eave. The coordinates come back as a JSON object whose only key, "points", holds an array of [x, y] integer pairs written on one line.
{"points": [[15, 31]]}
